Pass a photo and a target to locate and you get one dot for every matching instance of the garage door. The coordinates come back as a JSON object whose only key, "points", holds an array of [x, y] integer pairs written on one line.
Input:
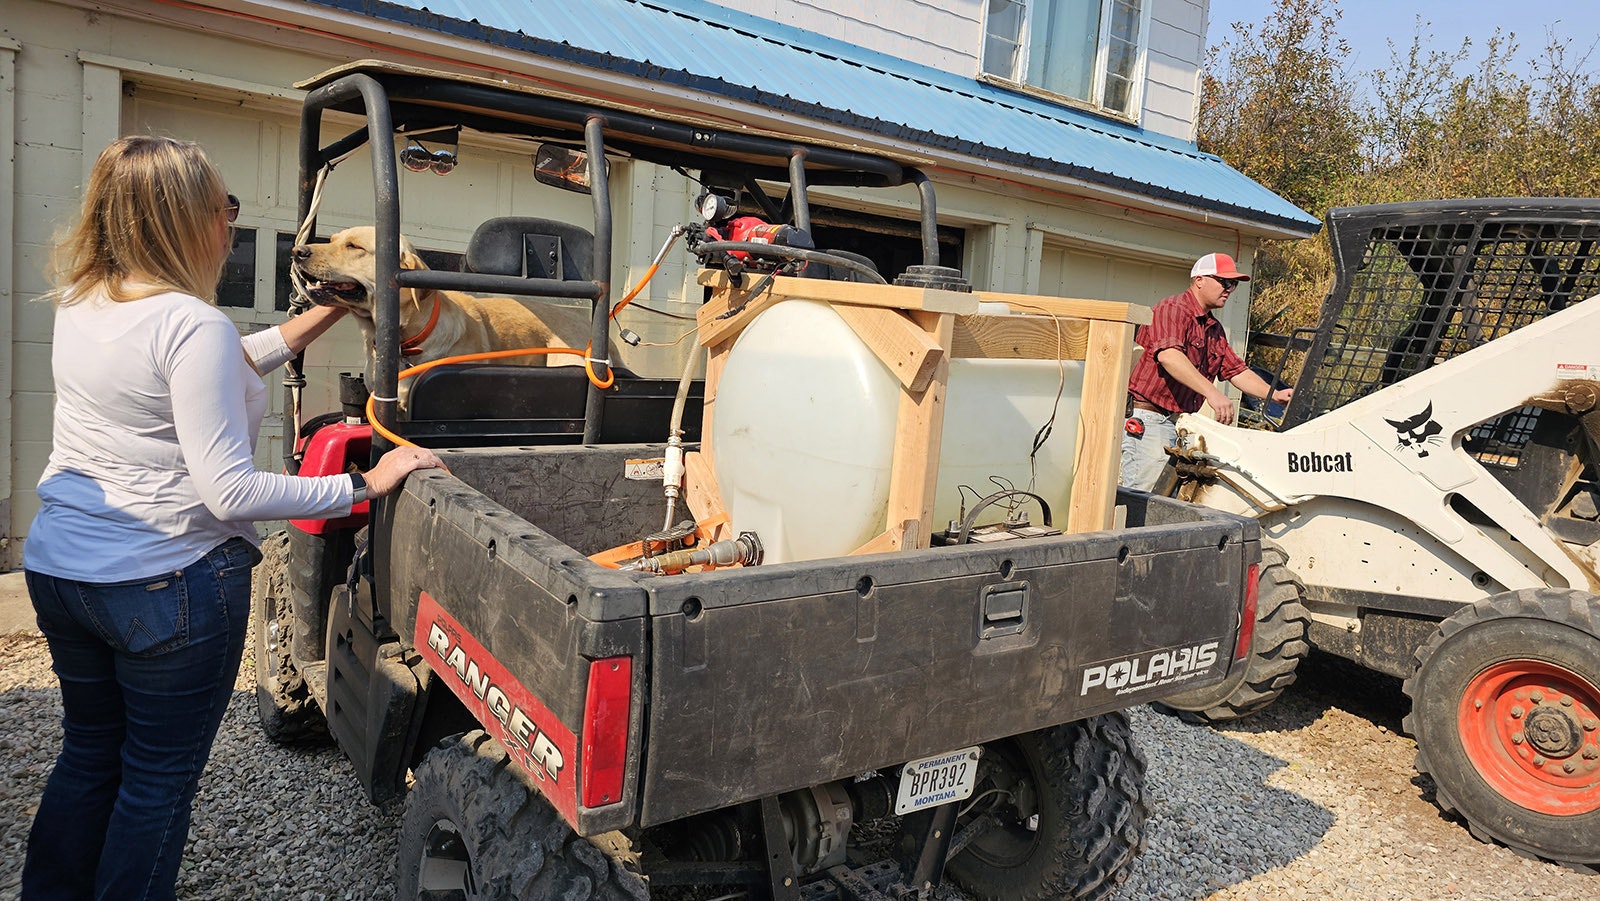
{"points": [[1072, 271]]}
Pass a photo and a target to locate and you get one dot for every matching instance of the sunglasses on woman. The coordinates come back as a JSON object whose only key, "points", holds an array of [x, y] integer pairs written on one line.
{"points": [[232, 208]]}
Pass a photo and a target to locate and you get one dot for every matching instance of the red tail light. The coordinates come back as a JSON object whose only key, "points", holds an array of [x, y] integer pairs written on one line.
{"points": [[605, 730], [1247, 619]]}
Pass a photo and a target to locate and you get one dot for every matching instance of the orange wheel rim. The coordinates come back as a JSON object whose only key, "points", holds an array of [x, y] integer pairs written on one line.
{"points": [[1532, 730]]}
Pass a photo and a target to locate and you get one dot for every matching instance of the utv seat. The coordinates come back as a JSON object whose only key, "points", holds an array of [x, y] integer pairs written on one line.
{"points": [[478, 405]]}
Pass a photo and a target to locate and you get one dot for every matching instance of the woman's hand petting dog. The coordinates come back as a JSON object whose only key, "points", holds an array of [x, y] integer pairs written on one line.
{"points": [[395, 465]]}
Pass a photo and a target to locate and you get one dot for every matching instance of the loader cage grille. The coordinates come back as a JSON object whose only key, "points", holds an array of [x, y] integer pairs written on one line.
{"points": [[1416, 284]]}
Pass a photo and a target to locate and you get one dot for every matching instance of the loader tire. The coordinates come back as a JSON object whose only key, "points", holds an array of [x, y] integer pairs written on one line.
{"points": [[474, 830], [283, 701], [1085, 782], [1505, 710], [1278, 646]]}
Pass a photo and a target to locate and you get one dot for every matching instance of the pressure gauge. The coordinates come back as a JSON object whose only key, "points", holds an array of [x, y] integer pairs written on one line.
{"points": [[713, 207]]}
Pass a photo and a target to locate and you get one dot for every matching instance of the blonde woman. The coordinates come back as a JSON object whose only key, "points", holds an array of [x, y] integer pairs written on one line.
{"points": [[139, 560]]}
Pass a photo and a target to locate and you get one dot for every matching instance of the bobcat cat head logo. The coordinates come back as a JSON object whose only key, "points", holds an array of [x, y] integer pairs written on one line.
{"points": [[1418, 431]]}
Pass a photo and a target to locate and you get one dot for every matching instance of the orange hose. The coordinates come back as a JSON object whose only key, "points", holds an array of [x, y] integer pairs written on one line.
{"points": [[648, 274], [588, 366], [420, 368]]}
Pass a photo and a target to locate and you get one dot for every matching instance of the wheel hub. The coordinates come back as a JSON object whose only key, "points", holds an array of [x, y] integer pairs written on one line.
{"points": [[1553, 733], [1532, 730], [446, 865]]}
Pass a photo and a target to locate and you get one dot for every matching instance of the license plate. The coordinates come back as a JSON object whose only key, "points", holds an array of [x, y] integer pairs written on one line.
{"points": [[937, 780]]}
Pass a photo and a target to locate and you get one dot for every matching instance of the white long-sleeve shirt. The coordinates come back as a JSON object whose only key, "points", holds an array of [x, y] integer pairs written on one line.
{"points": [[156, 417]]}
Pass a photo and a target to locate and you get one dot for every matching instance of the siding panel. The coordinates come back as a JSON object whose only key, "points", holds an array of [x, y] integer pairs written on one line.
{"points": [[946, 35], [1177, 49]]}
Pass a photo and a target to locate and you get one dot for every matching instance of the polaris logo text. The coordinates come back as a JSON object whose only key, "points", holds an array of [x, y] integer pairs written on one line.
{"points": [[1148, 670], [518, 725], [1321, 462]]}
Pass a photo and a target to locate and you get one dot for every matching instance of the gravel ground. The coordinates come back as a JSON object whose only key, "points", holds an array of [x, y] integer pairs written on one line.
{"points": [[1314, 798]]}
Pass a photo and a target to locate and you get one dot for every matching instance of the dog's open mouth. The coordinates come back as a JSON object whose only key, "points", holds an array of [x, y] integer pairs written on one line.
{"points": [[351, 295]]}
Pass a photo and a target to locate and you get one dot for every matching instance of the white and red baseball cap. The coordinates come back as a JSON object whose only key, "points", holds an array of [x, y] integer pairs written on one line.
{"points": [[1218, 264]]}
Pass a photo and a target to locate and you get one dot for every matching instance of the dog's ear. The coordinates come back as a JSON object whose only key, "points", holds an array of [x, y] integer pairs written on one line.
{"points": [[410, 260], [415, 296]]}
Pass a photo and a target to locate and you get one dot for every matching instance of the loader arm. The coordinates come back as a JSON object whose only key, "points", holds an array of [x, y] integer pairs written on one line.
{"points": [[1401, 449]]}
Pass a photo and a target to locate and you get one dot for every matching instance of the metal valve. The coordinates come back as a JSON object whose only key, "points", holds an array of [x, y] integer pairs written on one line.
{"points": [[745, 550]]}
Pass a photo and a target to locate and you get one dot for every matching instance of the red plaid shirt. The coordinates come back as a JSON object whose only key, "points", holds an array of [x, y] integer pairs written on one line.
{"points": [[1180, 321]]}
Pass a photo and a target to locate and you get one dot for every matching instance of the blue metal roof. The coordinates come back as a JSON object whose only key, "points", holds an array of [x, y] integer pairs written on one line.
{"points": [[719, 51]]}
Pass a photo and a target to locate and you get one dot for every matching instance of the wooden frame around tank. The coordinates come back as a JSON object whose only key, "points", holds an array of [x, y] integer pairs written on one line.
{"points": [[915, 332]]}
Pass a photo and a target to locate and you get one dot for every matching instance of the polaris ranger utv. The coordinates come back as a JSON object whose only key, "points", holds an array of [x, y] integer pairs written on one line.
{"points": [[576, 702]]}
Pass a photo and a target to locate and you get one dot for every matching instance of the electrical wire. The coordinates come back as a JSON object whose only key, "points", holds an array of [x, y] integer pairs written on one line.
{"points": [[1043, 435], [679, 316], [974, 802], [673, 343]]}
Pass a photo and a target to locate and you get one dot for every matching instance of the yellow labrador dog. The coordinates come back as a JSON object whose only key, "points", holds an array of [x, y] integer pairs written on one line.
{"points": [[433, 324]]}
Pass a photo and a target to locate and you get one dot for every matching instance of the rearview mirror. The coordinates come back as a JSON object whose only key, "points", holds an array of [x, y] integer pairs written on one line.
{"points": [[564, 168]]}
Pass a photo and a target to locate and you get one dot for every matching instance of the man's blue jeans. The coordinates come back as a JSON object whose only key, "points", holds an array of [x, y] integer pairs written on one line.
{"points": [[146, 669], [1144, 456]]}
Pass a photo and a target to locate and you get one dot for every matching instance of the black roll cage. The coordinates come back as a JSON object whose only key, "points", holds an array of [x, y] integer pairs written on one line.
{"points": [[394, 100]]}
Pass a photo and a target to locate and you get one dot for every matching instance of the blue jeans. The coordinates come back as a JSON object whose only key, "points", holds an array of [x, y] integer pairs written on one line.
{"points": [[146, 669], [1144, 456]]}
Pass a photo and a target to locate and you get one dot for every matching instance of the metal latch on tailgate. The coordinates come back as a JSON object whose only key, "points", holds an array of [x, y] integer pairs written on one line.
{"points": [[1005, 609]]}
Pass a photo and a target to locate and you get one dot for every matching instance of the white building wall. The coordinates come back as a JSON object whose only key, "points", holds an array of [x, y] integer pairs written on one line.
{"points": [[944, 34], [81, 76], [948, 35], [1173, 64], [8, 143]]}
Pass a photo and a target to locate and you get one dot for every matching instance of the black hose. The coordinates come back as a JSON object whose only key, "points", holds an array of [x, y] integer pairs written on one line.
{"points": [[783, 251]]}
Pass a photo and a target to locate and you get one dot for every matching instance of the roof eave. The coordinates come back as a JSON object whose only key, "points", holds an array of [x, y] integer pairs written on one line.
{"points": [[475, 44]]}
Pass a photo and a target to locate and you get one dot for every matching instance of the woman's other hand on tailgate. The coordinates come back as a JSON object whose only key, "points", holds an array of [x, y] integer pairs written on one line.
{"points": [[395, 465]]}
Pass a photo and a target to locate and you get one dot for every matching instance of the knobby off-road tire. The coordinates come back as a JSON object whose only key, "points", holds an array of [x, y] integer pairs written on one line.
{"points": [[283, 701], [1505, 699], [1085, 781], [473, 830], [1276, 650]]}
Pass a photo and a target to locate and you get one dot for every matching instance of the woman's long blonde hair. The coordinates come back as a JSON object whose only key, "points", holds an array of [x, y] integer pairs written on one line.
{"points": [[148, 224]]}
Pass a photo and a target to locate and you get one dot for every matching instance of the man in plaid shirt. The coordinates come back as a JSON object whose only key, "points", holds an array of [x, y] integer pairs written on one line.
{"points": [[1185, 351]]}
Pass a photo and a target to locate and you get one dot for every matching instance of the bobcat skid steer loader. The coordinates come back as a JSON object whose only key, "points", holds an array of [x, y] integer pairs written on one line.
{"points": [[1430, 499]]}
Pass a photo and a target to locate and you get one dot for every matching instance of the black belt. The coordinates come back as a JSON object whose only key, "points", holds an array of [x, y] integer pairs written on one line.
{"points": [[1142, 405]]}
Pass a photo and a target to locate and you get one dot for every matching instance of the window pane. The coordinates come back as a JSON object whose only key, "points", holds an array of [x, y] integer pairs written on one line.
{"points": [[1003, 38], [1119, 91], [281, 286], [238, 287], [1125, 20], [1122, 56], [1124, 38], [1061, 46]]}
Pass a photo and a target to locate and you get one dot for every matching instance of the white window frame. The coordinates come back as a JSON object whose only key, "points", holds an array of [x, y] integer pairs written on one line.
{"points": [[1096, 104]]}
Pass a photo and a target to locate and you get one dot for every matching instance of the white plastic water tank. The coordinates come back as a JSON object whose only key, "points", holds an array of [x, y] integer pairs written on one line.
{"points": [[804, 427]]}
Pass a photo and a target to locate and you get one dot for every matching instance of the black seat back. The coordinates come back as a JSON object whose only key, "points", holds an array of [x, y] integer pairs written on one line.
{"points": [[485, 404], [532, 248]]}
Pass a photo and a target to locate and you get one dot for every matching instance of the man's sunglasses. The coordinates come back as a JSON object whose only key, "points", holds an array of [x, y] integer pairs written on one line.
{"points": [[1228, 284], [232, 208]]}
